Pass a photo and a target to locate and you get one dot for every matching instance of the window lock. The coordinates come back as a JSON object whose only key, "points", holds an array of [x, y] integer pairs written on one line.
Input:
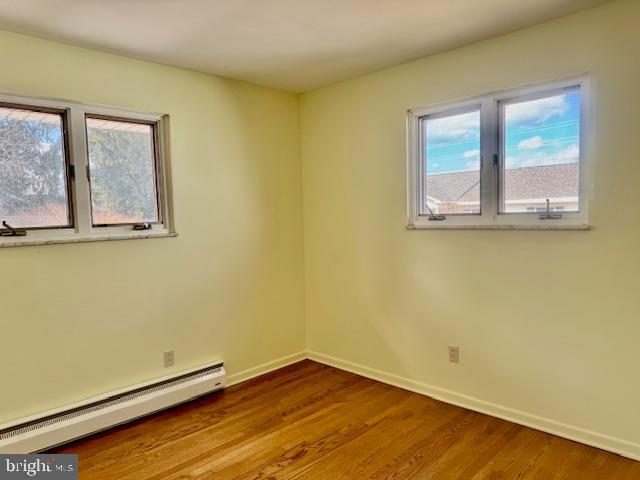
{"points": [[548, 215], [9, 231], [434, 217], [142, 226]]}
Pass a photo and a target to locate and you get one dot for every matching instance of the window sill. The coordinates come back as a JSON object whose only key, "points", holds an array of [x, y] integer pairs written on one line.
{"points": [[27, 242], [579, 226]]}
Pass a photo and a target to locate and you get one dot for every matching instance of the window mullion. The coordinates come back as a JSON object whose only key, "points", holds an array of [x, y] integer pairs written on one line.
{"points": [[489, 187], [78, 148]]}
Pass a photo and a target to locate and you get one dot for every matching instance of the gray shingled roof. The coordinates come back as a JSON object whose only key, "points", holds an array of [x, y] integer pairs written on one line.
{"points": [[548, 181]]}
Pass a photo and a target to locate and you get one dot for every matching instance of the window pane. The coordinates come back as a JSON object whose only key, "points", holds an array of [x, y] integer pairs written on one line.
{"points": [[541, 141], [122, 168], [452, 153], [33, 181]]}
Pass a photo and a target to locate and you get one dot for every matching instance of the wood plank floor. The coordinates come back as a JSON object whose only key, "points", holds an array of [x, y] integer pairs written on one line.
{"points": [[309, 421]]}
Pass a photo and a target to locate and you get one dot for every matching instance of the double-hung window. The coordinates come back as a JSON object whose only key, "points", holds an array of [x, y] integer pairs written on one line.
{"points": [[72, 172], [513, 159]]}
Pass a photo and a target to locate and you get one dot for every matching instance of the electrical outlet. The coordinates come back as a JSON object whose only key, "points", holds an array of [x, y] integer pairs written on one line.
{"points": [[454, 354], [168, 358]]}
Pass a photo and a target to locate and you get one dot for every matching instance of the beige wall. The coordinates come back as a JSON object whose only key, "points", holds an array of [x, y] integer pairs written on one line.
{"points": [[547, 322], [81, 319]]}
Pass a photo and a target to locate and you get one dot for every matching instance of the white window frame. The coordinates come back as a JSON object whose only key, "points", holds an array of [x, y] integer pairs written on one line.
{"points": [[491, 158], [79, 189]]}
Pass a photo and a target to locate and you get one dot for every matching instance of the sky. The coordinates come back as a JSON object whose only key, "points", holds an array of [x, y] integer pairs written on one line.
{"points": [[537, 132]]}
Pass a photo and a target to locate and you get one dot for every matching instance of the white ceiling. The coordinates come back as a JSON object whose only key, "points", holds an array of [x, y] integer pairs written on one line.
{"points": [[296, 45]]}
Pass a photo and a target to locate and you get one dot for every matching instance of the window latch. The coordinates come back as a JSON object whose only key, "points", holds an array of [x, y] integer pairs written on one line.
{"points": [[548, 215], [433, 217], [9, 231], [142, 226]]}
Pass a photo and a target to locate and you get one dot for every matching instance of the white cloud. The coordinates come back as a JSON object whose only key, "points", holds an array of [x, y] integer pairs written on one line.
{"points": [[571, 154], [530, 143], [471, 154], [536, 111], [455, 128], [473, 165]]}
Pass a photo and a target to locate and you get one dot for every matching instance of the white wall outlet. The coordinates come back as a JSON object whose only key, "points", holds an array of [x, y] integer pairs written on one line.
{"points": [[454, 354], [169, 360]]}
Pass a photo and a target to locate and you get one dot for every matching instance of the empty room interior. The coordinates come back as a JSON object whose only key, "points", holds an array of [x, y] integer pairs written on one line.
{"points": [[294, 239]]}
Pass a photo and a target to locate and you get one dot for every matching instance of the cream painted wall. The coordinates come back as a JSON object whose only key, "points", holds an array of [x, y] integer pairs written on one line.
{"points": [[81, 319], [548, 322]]}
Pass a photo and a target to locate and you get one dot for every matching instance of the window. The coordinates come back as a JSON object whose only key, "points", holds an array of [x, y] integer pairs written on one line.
{"points": [[72, 172], [512, 159], [540, 139], [452, 159], [34, 188], [122, 172]]}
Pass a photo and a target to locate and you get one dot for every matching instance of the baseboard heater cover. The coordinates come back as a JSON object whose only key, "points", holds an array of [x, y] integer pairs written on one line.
{"points": [[53, 428]]}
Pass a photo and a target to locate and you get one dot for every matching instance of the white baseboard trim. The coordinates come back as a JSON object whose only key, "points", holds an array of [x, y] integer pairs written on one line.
{"points": [[577, 434], [258, 370]]}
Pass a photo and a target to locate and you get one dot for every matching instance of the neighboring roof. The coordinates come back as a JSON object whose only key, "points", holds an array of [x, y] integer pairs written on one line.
{"points": [[548, 181], [454, 187]]}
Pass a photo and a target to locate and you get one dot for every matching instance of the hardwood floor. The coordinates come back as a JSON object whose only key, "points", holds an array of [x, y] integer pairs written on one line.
{"points": [[309, 421]]}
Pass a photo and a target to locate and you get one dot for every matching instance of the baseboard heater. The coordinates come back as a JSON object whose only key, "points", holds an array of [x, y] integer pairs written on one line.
{"points": [[59, 426]]}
